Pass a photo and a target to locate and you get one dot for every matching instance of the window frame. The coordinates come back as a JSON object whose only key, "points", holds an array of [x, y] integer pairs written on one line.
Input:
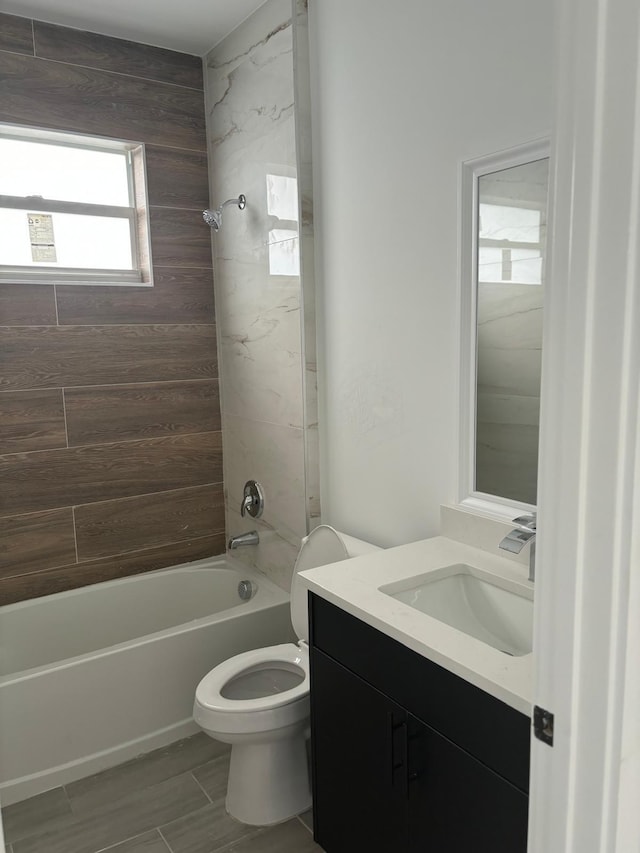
{"points": [[134, 213]]}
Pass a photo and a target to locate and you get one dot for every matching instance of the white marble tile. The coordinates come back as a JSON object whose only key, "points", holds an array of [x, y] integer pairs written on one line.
{"points": [[267, 343], [274, 456], [260, 344], [275, 555]]}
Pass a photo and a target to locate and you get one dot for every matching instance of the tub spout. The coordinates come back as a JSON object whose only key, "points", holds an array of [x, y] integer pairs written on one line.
{"points": [[250, 538]]}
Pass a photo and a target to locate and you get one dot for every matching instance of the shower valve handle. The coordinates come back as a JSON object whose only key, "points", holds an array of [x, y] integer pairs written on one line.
{"points": [[252, 500]]}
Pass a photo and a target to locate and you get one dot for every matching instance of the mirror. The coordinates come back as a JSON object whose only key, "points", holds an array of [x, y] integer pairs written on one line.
{"points": [[508, 251]]}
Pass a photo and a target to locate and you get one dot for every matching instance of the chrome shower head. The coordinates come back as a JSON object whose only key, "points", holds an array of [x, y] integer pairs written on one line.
{"points": [[213, 218]]}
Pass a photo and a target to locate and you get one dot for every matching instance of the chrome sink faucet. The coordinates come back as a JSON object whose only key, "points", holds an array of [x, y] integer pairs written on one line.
{"points": [[516, 539]]}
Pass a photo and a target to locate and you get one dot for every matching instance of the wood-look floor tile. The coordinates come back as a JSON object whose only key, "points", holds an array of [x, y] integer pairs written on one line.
{"points": [[120, 782], [119, 821], [177, 296], [27, 304], [35, 815], [179, 238], [213, 777], [114, 54], [98, 415], [83, 475], [307, 819], [34, 585], [289, 837], [36, 542], [208, 830], [74, 98], [149, 842], [31, 420], [66, 356], [150, 521], [16, 34]]}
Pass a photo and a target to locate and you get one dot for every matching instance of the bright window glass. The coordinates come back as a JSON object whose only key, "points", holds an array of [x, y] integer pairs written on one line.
{"points": [[68, 208], [65, 173], [80, 242]]}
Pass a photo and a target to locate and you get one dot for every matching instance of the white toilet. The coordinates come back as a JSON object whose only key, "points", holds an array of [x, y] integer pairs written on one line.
{"points": [[258, 702]]}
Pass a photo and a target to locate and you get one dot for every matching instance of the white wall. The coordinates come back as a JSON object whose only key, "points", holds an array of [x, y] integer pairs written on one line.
{"points": [[401, 94]]}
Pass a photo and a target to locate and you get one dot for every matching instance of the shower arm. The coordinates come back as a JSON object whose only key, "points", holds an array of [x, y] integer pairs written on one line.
{"points": [[241, 202]]}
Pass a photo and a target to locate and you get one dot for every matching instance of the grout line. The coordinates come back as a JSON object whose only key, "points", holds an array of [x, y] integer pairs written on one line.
{"points": [[132, 838], [64, 417], [128, 497], [108, 385], [200, 786], [308, 828], [75, 532], [168, 846], [159, 438], [33, 37], [193, 89], [55, 303]]}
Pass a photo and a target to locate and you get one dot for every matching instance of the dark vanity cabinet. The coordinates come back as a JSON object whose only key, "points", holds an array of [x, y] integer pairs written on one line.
{"points": [[406, 755]]}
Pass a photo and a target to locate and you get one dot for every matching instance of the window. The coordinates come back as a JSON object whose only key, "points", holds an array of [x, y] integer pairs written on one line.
{"points": [[510, 243], [68, 209]]}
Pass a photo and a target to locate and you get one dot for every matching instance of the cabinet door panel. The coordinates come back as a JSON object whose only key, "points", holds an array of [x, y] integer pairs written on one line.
{"points": [[456, 804], [359, 763]]}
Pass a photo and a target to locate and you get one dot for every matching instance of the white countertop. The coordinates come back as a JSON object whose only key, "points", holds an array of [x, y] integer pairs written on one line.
{"points": [[353, 586]]}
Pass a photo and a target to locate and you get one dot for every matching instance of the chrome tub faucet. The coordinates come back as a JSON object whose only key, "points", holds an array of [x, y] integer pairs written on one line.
{"points": [[516, 539], [250, 538]]}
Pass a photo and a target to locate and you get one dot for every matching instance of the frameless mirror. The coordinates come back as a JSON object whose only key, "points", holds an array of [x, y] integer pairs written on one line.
{"points": [[507, 249]]}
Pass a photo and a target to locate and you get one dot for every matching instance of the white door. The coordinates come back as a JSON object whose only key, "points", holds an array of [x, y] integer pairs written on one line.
{"points": [[586, 788]]}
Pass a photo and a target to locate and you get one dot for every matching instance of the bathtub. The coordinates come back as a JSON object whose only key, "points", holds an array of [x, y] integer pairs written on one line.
{"points": [[92, 677]]}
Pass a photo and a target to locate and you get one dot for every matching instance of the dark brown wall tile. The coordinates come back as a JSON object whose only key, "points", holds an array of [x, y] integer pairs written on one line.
{"points": [[54, 357], [36, 542], [33, 482], [31, 420], [39, 92], [16, 34], [134, 524], [179, 238], [27, 305], [109, 568], [112, 54], [177, 178], [177, 296], [126, 412]]}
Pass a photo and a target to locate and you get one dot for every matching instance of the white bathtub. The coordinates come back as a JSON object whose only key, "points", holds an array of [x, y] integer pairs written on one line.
{"points": [[95, 676]]}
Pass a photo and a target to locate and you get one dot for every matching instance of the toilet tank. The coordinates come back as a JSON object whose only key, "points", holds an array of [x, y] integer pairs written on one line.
{"points": [[322, 546]]}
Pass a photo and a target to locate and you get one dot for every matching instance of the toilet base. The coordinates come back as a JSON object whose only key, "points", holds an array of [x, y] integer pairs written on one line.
{"points": [[269, 782]]}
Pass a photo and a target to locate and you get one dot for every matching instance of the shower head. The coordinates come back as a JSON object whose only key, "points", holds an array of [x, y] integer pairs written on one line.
{"points": [[213, 218]]}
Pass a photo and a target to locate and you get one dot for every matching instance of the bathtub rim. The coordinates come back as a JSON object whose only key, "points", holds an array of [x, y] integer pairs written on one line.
{"points": [[274, 595]]}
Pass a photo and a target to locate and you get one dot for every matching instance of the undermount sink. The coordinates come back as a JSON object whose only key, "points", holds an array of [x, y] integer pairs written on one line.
{"points": [[496, 611]]}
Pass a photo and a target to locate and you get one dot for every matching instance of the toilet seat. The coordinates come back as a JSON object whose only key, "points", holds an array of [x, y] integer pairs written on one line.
{"points": [[214, 710]]}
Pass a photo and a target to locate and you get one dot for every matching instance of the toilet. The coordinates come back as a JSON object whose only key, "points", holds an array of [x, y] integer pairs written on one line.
{"points": [[258, 702]]}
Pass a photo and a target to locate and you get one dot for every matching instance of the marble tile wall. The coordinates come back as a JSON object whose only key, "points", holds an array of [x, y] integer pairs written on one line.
{"points": [[508, 401], [259, 145]]}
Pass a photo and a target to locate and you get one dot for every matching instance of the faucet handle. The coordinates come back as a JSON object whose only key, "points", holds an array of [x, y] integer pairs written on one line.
{"points": [[526, 522], [252, 499]]}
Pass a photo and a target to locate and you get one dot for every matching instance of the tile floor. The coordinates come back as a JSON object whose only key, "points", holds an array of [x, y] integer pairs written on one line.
{"points": [[168, 801]]}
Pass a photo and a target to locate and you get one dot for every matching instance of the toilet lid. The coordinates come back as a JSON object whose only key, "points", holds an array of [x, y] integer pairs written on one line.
{"points": [[322, 546]]}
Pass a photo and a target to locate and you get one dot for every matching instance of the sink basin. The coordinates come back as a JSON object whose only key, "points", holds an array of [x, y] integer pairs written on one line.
{"points": [[496, 611]]}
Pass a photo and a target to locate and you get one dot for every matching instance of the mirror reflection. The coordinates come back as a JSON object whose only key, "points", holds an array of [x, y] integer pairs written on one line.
{"points": [[511, 240]]}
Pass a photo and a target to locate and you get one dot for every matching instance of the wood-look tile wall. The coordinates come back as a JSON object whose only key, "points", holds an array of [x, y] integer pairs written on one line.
{"points": [[110, 442]]}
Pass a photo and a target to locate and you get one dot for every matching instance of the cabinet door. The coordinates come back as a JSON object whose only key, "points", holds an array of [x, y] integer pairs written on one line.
{"points": [[456, 804], [359, 763]]}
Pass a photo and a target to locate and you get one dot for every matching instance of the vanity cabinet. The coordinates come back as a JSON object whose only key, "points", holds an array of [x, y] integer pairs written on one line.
{"points": [[406, 755]]}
